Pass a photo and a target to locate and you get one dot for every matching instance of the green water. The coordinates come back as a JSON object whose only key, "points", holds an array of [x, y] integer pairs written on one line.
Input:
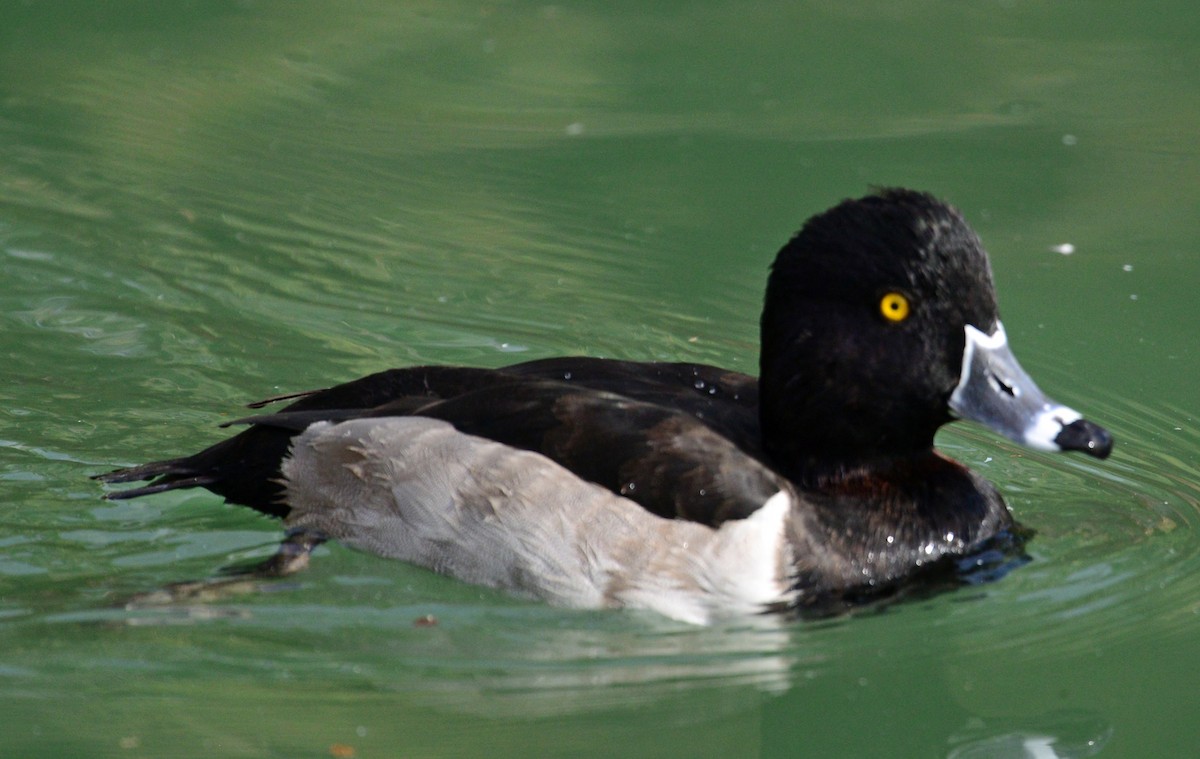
{"points": [[205, 203]]}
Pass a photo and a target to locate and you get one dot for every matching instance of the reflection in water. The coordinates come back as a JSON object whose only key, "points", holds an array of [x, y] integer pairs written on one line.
{"points": [[1057, 736], [576, 671], [527, 661]]}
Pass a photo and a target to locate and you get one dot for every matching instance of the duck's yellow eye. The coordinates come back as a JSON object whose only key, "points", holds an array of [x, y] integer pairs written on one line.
{"points": [[894, 307]]}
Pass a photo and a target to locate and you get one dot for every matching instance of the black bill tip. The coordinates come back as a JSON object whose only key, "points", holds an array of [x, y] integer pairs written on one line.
{"points": [[1082, 435]]}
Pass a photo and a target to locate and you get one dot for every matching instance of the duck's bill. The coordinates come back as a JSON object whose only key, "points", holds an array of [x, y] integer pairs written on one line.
{"points": [[996, 392]]}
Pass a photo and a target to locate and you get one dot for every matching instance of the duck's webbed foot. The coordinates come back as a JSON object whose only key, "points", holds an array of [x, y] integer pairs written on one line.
{"points": [[291, 557]]}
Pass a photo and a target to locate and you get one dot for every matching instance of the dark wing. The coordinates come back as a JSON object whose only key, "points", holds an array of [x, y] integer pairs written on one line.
{"points": [[680, 439], [725, 401], [244, 469], [667, 460]]}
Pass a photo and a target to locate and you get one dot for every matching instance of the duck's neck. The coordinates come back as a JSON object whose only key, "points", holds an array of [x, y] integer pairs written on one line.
{"points": [[831, 438], [874, 523], [812, 421], [829, 411], [919, 486]]}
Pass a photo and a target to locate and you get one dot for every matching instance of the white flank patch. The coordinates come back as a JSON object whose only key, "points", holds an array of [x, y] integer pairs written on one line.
{"points": [[749, 566], [420, 491], [740, 568]]}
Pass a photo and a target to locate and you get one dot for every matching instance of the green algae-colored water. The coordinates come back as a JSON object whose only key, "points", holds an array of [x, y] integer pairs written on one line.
{"points": [[206, 203]]}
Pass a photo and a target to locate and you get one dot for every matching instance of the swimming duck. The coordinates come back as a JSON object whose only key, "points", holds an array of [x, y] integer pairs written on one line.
{"points": [[687, 489]]}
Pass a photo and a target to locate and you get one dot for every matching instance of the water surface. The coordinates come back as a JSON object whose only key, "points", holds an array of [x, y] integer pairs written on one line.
{"points": [[206, 203]]}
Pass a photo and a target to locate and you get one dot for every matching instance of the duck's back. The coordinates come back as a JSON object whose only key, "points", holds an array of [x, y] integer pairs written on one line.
{"points": [[680, 439]]}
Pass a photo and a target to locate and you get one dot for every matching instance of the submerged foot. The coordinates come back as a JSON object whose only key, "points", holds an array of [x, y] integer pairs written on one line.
{"points": [[291, 557]]}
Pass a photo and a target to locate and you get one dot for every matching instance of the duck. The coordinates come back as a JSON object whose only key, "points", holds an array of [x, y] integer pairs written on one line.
{"points": [[688, 490]]}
